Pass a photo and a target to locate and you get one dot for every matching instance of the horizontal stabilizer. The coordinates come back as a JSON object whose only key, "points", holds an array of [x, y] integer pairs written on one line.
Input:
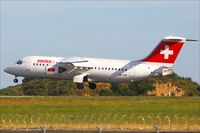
{"points": [[191, 40]]}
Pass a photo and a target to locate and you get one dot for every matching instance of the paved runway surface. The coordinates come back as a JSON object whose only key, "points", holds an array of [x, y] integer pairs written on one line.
{"points": [[64, 131]]}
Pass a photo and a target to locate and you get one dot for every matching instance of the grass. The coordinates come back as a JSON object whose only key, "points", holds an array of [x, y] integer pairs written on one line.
{"points": [[112, 112]]}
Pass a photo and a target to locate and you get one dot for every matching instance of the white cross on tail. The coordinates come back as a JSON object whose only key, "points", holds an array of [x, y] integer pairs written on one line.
{"points": [[166, 52]]}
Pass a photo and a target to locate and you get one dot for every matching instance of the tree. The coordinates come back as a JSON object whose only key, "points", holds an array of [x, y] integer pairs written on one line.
{"points": [[140, 88], [105, 92]]}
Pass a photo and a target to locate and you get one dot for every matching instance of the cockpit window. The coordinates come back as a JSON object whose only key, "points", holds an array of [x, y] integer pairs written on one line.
{"points": [[19, 62]]}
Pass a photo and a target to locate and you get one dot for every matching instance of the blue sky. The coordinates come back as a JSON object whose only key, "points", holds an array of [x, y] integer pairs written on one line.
{"points": [[113, 29]]}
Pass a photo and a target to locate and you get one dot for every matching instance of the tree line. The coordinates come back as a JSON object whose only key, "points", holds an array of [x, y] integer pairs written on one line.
{"points": [[47, 87]]}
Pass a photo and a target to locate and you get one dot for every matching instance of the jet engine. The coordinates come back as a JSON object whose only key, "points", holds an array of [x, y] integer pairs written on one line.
{"points": [[167, 71], [53, 70], [163, 71]]}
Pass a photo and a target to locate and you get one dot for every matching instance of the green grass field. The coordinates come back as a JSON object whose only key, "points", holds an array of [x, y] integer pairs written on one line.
{"points": [[113, 113]]}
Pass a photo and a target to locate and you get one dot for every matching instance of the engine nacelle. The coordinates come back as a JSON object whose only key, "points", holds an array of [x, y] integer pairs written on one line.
{"points": [[53, 70], [163, 71], [167, 71]]}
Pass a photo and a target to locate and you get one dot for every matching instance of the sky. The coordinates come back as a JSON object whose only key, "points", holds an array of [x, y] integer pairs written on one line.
{"points": [[100, 29]]}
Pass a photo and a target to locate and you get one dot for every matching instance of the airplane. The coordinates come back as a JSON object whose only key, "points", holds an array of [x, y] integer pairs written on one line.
{"points": [[81, 69]]}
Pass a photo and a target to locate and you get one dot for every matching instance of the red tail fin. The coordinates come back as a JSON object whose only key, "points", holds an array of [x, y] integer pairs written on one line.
{"points": [[166, 51]]}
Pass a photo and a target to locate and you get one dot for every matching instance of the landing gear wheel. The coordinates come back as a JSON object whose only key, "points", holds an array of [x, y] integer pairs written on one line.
{"points": [[92, 85], [79, 86], [15, 80]]}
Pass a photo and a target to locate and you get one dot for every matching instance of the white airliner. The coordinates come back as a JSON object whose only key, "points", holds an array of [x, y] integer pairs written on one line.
{"points": [[91, 70]]}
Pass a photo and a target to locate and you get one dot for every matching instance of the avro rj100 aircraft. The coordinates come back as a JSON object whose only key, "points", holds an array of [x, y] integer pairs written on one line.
{"points": [[91, 70]]}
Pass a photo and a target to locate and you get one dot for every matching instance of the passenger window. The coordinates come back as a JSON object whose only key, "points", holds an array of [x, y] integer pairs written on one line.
{"points": [[99, 68], [115, 69], [95, 68], [43, 64], [106, 68], [102, 68], [119, 69], [34, 64], [37, 64], [112, 68], [122, 69], [125, 69]]}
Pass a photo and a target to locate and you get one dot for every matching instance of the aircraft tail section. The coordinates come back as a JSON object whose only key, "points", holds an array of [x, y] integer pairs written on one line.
{"points": [[167, 50]]}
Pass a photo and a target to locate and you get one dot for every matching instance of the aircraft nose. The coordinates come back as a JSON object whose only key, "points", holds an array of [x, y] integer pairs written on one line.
{"points": [[7, 69], [14, 70]]}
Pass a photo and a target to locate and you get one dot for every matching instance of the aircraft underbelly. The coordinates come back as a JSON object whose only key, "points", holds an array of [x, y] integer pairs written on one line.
{"points": [[110, 77]]}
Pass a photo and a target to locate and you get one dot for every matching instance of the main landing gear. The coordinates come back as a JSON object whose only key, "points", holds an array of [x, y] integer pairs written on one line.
{"points": [[81, 85], [92, 86], [15, 80]]}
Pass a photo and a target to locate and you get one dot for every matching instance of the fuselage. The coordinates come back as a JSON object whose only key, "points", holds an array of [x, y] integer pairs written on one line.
{"points": [[97, 69]]}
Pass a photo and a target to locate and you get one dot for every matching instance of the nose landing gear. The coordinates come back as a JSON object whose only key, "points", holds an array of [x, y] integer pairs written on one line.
{"points": [[15, 80]]}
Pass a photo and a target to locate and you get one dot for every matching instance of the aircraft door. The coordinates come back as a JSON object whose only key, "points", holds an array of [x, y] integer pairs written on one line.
{"points": [[131, 72], [28, 65]]}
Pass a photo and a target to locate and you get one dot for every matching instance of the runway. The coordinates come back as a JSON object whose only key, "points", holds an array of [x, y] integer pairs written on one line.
{"points": [[77, 131]]}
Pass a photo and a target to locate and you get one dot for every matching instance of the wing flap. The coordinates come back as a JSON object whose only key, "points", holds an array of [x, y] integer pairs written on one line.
{"points": [[81, 64]]}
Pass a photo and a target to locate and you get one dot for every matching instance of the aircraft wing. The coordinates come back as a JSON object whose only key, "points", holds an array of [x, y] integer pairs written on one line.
{"points": [[75, 65]]}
